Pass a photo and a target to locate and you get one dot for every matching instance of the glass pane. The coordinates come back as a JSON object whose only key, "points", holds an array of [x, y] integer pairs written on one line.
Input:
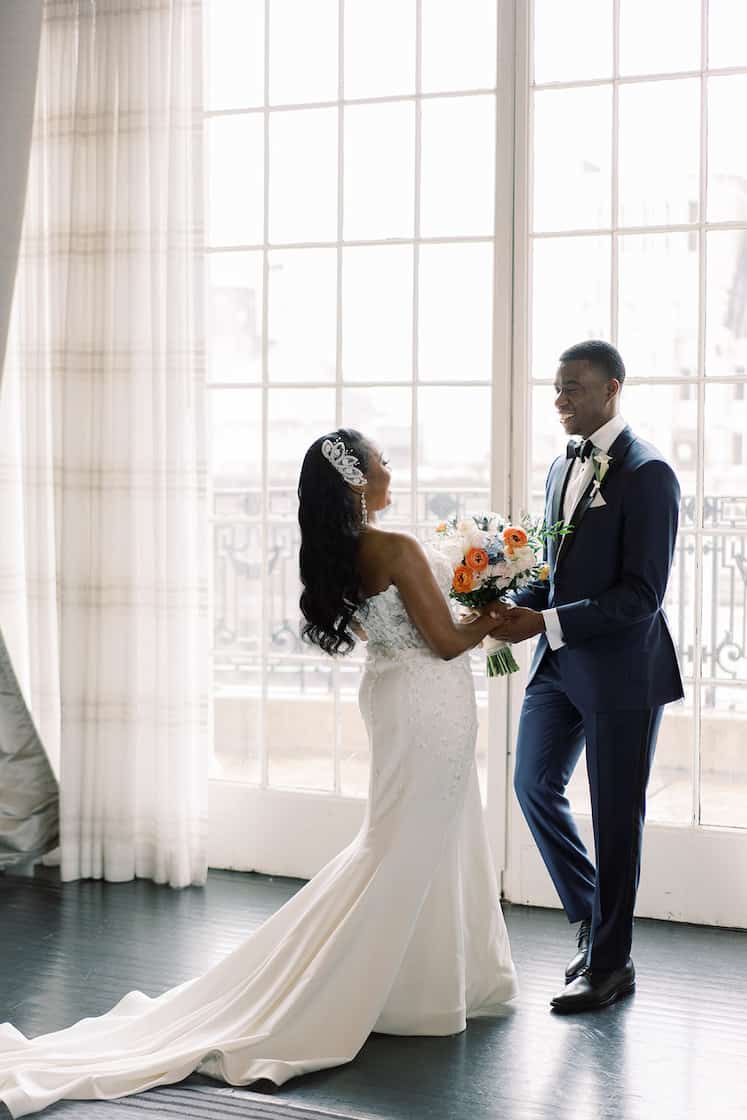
{"points": [[726, 302], [582, 56], [379, 48], [455, 335], [724, 620], [679, 604], [235, 674], [384, 415], [727, 33], [303, 150], [235, 317], [572, 166], [302, 325], [564, 312], [235, 180], [666, 417], [377, 313], [239, 502], [453, 437], [459, 45], [237, 730], [727, 148], [296, 418], [548, 440], [659, 36], [376, 204], [659, 152], [282, 592], [236, 438], [726, 456], [669, 794], [659, 337], [400, 511], [354, 748], [437, 504], [300, 724], [235, 54], [723, 729], [237, 598], [458, 167], [303, 51]]}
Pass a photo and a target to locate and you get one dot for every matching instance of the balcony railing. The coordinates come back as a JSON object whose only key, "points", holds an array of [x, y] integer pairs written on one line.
{"points": [[239, 566]]}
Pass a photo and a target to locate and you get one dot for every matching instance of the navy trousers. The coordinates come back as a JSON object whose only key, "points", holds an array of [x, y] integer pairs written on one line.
{"points": [[619, 752]]}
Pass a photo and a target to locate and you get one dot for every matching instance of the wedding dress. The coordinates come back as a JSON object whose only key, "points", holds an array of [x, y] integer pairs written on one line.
{"points": [[401, 933]]}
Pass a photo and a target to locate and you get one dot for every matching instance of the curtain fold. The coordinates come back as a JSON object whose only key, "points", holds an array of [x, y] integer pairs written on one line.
{"points": [[28, 789], [107, 365]]}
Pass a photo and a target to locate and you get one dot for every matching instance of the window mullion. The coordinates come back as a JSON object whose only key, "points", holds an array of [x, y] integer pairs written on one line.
{"points": [[264, 470], [700, 454]]}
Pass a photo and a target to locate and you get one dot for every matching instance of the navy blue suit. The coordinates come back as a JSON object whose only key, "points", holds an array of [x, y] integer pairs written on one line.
{"points": [[607, 686]]}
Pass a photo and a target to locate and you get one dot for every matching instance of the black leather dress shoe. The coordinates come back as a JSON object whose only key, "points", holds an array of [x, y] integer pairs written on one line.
{"points": [[578, 964], [595, 989]]}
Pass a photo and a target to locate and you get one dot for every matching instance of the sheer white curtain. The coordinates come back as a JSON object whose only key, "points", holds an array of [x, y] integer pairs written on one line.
{"points": [[103, 411]]}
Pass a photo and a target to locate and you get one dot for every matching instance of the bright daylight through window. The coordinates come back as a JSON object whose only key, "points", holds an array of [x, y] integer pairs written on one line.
{"points": [[351, 211]]}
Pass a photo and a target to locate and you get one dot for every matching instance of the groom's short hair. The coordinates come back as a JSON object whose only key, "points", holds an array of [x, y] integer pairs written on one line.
{"points": [[602, 355]]}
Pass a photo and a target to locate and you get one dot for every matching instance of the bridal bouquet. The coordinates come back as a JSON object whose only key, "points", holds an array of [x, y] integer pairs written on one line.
{"points": [[490, 556]]}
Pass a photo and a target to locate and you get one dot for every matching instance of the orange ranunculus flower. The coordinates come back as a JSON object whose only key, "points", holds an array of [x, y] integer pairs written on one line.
{"points": [[476, 559], [463, 580], [514, 538]]}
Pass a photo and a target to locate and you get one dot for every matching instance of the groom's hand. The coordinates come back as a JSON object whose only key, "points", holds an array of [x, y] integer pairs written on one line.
{"points": [[517, 624], [498, 609]]}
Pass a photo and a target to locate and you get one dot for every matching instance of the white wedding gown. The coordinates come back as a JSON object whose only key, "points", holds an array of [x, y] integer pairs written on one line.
{"points": [[401, 933]]}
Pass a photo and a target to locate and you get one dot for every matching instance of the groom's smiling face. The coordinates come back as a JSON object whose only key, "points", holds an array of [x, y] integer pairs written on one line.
{"points": [[585, 398]]}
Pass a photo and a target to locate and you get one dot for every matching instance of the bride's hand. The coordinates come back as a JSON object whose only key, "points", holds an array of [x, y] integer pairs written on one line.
{"points": [[498, 609]]}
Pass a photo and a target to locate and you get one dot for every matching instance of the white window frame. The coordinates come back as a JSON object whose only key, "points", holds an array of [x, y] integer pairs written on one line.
{"points": [[691, 872], [290, 831]]}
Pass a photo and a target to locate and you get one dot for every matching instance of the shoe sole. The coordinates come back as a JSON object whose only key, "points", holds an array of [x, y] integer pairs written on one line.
{"points": [[619, 994]]}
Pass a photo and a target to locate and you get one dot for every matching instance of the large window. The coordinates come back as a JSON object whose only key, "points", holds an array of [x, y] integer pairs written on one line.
{"points": [[351, 170], [638, 234]]}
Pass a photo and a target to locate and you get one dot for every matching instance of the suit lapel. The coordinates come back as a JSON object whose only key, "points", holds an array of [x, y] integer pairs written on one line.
{"points": [[560, 485], [618, 451]]}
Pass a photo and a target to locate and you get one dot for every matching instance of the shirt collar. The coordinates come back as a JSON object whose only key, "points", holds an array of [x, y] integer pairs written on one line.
{"points": [[604, 437]]}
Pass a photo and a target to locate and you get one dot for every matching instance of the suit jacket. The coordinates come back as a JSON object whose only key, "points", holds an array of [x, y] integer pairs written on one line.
{"points": [[607, 581]]}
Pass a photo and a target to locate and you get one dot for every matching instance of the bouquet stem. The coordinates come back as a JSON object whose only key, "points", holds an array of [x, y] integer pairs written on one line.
{"points": [[501, 661]]}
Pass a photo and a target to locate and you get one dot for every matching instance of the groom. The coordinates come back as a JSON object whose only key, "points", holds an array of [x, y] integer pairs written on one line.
{"points": [[604, 666]]}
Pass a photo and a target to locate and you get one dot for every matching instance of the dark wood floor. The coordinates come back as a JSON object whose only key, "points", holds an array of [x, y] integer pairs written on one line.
{"points": [[676, 1049]]}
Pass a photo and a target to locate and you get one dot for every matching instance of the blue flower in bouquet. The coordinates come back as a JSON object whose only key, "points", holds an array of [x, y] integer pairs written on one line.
{"points": [[496, 552]]}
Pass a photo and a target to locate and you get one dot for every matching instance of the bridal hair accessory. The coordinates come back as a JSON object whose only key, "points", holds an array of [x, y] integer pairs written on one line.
{"points": [[344, 462]]}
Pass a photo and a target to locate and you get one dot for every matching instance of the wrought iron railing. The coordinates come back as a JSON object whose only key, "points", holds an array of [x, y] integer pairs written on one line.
{"points": [[239, 564]]}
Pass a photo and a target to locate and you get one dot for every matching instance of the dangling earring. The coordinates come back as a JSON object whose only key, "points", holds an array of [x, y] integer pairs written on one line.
{"points": [[364, 511]]}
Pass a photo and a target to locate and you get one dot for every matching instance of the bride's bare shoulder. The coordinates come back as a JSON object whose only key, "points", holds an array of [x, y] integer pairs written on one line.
{"points": [[391, 543], [390, 553]]}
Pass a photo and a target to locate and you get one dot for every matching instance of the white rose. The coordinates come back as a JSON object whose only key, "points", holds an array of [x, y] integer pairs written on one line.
{"points": [[453, 551], [524, 557]]}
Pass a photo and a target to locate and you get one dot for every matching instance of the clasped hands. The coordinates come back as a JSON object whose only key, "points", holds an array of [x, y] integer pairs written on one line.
{"points": [[514, 624]]}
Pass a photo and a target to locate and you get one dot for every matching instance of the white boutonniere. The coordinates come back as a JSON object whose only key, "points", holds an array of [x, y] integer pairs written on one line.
{"points": [[601, 463]]}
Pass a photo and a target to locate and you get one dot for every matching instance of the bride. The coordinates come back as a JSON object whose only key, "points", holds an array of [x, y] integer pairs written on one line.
{"points": [[402, 932]]}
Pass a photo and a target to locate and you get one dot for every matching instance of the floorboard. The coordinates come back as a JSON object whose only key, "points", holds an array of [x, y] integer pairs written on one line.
{"points": [[676, 1049]]}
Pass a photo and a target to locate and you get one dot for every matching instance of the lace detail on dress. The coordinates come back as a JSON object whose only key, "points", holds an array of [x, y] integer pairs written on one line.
{"points": [[385, 619]]}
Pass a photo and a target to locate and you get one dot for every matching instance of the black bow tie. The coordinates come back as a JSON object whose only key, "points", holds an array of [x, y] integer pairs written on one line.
{"points": [[576, 450]]}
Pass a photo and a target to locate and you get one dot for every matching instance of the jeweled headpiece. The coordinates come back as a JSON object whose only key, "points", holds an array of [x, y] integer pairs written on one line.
{"points": [[344, 461]]}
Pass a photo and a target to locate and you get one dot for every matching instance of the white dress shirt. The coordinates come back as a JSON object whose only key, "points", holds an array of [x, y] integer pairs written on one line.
{"points": [[580, 477]]}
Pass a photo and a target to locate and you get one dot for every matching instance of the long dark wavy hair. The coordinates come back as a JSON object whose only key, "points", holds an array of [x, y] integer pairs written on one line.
{"points": [[329, 514]]}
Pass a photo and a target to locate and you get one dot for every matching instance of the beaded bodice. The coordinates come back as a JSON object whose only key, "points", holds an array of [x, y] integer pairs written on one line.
{"points": [[385, 619]]}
